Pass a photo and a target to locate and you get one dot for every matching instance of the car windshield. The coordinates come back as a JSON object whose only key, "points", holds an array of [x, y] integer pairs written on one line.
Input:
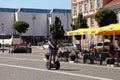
{"points": [[71, 45], [46, 43], [99, 44], [106, 44]]}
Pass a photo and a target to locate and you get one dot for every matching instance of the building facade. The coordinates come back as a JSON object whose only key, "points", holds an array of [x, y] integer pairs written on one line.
{"points": [[88, 8], [115, 6], [39, 21]]}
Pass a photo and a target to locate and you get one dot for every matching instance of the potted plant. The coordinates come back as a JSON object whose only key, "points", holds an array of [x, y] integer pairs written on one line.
{"points": [[72, 56], [60, 55], [77, 53], [110, 60], [47, 55]]}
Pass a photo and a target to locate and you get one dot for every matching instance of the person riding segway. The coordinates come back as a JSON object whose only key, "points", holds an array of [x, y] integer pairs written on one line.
{"points": [[53, 48]]}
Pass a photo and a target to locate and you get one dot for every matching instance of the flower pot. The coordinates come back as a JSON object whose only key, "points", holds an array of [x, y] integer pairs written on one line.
{"points": [[47, 57], [110, 61], [72, 58]]}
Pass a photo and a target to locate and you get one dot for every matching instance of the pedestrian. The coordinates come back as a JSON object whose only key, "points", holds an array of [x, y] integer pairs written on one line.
{"points": [[91, 47], [112, 53], [53, 47], [111, 48]]}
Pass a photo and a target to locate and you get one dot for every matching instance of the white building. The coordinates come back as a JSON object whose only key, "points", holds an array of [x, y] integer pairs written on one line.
{"points": [[7, 19], [64, 15], [39, 21]]}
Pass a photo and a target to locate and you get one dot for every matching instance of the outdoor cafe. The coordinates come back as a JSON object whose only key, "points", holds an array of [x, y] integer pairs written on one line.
{"points": [[109, 30]]}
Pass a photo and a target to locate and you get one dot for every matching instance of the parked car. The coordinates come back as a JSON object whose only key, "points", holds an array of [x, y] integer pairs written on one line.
{"points": [[71, 46], [99, 45], [20, 49], [46, 45]]}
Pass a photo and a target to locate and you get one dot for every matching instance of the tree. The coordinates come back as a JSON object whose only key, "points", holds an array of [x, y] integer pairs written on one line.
{"points": [[21, 26], [57, 28], [81, 23], [105, 16]]}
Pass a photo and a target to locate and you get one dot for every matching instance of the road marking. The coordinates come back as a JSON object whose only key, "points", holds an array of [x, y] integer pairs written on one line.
{"points": [[59, 72], [61, 62], [21, 59]]}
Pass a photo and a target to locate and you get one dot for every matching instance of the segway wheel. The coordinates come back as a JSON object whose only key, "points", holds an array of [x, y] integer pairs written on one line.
{"points": [[57, 65], [48, 65]]}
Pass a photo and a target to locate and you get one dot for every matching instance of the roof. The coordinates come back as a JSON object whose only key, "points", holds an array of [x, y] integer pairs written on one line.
{"points": [[8, 10], [34, 10], [113, 2], [31, 10], [61, 11]]}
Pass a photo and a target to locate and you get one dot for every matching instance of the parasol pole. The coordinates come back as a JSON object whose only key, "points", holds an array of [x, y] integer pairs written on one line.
{"points": [[82, 43], [114, 39]]}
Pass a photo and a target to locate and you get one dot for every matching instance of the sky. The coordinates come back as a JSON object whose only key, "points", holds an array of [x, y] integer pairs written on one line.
{"points": [[38, 4]]}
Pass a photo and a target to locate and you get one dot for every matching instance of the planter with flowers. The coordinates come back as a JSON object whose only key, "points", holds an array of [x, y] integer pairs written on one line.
{"points": [[110, 60], [47, 55], [77, 53], [72, 56]]}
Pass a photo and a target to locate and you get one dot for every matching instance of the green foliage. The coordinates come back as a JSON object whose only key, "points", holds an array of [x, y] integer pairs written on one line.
{"points": [[105, 16], [81, 23], [72, 54], [108, 58], [57, 28], [77, 51], [21, 26], [66, 44]]}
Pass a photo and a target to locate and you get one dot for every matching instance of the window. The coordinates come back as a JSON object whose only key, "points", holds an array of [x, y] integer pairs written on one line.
{"points": [[118, 17], [75, 10], [99, 39], [85, 7], [91, 5], [92, 37], [92, 21], [80, 7], [74, 0], [5, 36], [98, 4], [99, 44], [16, 36]]}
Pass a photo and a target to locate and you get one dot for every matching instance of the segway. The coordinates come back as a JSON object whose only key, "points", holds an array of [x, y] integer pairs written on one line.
{"points": [[55, 64]]}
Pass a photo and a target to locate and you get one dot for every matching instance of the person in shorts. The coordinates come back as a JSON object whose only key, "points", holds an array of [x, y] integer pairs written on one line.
{"points": [[53, 47]]}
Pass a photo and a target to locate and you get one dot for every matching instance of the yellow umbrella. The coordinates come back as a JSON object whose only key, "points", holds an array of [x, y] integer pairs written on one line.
{"points": [[112, 29], [80, 31], [83, 31], [109, 30], [86, 31], [70, 33]]}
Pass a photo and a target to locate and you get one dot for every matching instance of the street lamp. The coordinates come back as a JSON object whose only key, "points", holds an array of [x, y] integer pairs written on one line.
{"points": [[49, 23], [2, 26], [34, 18]]}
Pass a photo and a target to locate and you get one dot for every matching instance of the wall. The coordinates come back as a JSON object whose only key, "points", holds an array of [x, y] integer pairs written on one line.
{"points": [[7, 18], [39, 24]]}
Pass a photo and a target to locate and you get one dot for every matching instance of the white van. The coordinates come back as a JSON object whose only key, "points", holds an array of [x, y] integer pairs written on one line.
{"points": [[5, 39], [8, 40], [16, 39]]}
